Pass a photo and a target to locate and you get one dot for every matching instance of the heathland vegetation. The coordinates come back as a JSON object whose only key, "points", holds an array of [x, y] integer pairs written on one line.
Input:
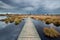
{"points": [[51, 32], [49, 19], [11, 19]]}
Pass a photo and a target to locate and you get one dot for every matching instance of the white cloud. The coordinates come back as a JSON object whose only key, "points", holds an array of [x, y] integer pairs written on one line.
{"points": [[28, 8], [16, 1], [30, 5], [6, 6], [51, 4], [34, 3], [47, 4]]}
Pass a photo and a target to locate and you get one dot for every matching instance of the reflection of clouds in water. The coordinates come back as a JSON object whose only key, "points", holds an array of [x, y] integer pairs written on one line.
{"points": [[52, 25], [56, 27], [2, 25], [2, 17]]}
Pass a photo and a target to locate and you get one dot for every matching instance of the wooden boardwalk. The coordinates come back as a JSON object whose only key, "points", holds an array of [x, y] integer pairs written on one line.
{"points": [[29, 31]]}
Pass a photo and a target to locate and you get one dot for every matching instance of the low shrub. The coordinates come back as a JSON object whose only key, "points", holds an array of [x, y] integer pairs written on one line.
{"points": [[6, 21], [17, 21], [51, 32], [56, 23], [49, 21]]}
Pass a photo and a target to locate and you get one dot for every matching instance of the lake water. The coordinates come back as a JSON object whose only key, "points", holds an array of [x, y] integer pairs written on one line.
{"points": [[41, 25], [3, 17], [2, 24], [11, 31]]}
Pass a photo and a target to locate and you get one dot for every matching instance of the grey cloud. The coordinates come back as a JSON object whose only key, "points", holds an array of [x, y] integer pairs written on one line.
{"points": [[32, 5]]}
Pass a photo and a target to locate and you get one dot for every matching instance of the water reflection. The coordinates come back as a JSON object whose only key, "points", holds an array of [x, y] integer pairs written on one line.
{"points": [[11, 31], [51, 25], [41, 25], [3, 17], [2, 24]]}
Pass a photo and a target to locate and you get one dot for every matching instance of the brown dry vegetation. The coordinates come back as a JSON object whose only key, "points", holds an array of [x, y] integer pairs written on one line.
{"points": [[49, 19], [51, 32], [15, 19]]}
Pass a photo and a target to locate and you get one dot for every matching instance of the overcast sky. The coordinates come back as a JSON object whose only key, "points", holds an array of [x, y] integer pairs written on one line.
{"points": [[33, 6]]}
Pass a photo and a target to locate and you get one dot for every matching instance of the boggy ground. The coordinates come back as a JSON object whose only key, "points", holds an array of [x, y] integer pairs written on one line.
{"points": [[49, 19]]}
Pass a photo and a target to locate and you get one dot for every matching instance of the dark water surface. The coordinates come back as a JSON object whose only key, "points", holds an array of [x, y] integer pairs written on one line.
{"points": [[40, 25], [11, 31], [3, 24]]}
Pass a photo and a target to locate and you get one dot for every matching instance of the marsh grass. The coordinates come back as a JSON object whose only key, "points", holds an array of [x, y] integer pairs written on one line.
{"points": [[51, 32], [52, 19], [15, 19]]}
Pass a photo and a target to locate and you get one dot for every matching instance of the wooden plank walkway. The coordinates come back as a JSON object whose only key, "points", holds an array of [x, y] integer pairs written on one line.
{"points": [[29, 31]]}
